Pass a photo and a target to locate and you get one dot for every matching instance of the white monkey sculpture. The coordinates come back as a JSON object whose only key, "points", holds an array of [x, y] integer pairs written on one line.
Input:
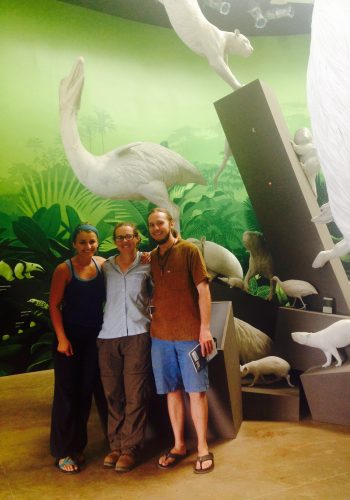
{"points": [[205, 39], [134, 171], [328, 83]]}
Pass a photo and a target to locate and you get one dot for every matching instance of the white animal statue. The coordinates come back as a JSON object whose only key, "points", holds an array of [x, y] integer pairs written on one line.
{"points": [[271, 365], [252, 343], [227, 154], [328, 83], [134, 171], [306, 151], [339, 250], [325, 217], [296, 289], [329, 340], [205, 39], [260, 259], [218, 259]]}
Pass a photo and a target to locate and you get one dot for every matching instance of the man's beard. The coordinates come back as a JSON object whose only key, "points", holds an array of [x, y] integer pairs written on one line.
{"points": [[163, 240]]}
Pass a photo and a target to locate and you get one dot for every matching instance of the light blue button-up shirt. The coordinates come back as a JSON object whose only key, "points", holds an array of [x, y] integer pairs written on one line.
{"points": [[127, 305]]}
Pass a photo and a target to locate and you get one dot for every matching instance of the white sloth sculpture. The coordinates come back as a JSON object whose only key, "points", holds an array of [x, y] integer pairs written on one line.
{"points": [[140, 170], [329, 340], [271, 365], [205, 39], [219, 260], [328, 83], [306, 151], [339, 250]]}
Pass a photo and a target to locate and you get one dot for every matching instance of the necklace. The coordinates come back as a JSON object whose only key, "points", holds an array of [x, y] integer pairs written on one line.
{"points": [[163, 259]]}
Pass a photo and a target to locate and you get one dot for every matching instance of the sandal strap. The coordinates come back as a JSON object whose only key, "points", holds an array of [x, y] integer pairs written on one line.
{"points": [[204, 458], [66, 461]]}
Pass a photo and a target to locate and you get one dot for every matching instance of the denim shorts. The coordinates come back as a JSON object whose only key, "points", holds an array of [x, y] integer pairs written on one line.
{"points": [[173, 368]]}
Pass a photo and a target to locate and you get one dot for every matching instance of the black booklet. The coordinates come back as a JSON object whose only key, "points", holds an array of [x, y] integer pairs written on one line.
{"points": [[199, 361]]}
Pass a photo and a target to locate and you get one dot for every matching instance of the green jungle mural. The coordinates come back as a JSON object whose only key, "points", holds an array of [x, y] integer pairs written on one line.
{"points": [[141, 84]]}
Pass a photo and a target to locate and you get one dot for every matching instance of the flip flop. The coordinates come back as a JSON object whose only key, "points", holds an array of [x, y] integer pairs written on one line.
{"points": [[202, 459], [60, 463], [176, 456]]}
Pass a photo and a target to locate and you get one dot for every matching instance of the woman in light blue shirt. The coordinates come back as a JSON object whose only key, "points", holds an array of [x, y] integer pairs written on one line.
{"points": [[124, 348]]}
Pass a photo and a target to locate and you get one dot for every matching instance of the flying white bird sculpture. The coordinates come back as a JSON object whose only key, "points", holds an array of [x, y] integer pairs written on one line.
{"points": [[328, 84], [205, 39], [140, 170], [296, 289]]}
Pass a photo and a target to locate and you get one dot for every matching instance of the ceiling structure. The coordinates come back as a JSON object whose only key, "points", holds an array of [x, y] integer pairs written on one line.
{"points": [[275, 17]]}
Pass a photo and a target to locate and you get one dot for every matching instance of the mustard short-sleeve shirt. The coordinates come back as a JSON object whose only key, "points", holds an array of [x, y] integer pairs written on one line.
{"points": [[176, 275]]}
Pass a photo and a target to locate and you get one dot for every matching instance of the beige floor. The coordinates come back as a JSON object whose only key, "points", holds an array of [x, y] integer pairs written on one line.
{"points": [[270, 460]]}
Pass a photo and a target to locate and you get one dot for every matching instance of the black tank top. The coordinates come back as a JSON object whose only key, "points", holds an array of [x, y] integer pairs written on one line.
{"points": [[83, 299]]}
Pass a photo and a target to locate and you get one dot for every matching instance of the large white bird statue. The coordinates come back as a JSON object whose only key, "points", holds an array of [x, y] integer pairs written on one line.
{"points": [[140, 170], [205, 39], [296, 289], [328, 84]]}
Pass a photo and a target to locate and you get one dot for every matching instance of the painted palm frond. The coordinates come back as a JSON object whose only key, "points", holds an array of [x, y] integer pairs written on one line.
{"points": [[58, 185]]}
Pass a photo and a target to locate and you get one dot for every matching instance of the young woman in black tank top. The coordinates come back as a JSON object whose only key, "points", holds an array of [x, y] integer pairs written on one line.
{"points": [[76, 309]]}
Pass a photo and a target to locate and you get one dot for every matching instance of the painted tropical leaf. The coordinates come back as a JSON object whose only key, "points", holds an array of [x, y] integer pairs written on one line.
{"points": [[30, 234], [50, 220], [73, 218]]}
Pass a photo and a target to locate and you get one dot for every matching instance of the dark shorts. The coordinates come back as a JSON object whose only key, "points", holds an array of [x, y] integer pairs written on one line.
{"points": [[173, 368]]}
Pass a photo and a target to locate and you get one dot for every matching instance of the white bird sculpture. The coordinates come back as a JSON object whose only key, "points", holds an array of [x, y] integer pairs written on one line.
{"points": [[205, 39], [296, 289], [328, 83], [219, 260], [140, 170]]}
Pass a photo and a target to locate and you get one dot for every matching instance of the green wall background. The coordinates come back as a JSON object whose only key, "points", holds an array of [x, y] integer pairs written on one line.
{"points": [[141, 83]]}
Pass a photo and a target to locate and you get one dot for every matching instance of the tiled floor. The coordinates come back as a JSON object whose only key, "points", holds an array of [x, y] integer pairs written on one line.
{"points": [[267, 460]]}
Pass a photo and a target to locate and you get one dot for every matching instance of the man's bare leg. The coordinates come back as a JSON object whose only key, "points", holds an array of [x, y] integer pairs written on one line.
{"points": [[176, 409], [199, 413]]}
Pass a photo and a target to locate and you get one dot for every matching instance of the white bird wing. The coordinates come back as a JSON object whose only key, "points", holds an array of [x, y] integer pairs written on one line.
{"points": [[125, 149]]}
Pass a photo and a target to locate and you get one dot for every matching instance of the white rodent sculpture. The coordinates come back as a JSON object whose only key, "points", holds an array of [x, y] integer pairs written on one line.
{"points": [[205, 39], [271, 365], [329, 340]]}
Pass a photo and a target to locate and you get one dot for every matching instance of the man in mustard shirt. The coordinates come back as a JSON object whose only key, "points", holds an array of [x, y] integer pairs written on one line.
{"points": [[181, 320]]}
